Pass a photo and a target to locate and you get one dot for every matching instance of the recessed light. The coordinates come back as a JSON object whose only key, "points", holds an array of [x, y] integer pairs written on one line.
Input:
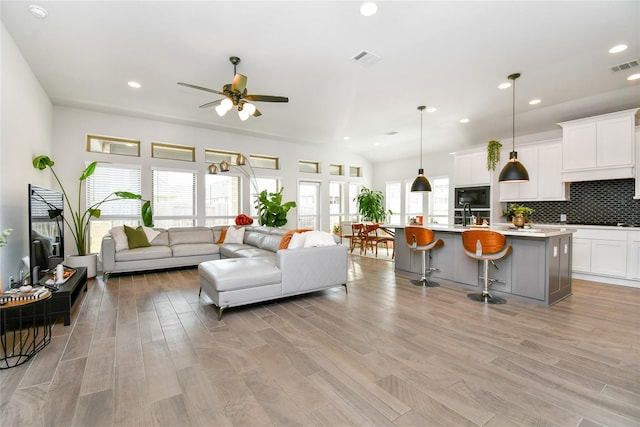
{"points": [[431, 109], [464, 120], [504, 85], [135, 85], [633, 77], [346, 138], [38, 11], [368, 9], [535, 101], [619, 48]]}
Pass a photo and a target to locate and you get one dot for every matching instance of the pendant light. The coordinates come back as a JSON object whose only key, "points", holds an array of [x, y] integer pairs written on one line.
{"points": [[421, 183], [513, 171]]}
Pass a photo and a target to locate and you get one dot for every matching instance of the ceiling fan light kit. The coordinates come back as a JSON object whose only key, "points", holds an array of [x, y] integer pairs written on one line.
{"points": [[513, 171], [235, 95], [421, 183]]}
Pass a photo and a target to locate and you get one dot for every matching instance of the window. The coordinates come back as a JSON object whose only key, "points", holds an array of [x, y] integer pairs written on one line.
{"points": [[309, 167], [438, 212], [222, 199], [336, 203], [106, 179], [111, 145], [355, 171], [217, 156], [309, 205], [393, 201], [173, 198], [354, 190], [414, 202], [335, 169], [264, 162], [160, 150]]}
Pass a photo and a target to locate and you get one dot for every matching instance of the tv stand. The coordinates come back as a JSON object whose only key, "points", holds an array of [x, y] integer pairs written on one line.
{"points": [[67, 294]]}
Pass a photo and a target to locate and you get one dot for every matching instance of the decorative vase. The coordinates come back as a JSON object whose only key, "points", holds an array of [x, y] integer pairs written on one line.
{"points": [[90, 261], [519, 220]]}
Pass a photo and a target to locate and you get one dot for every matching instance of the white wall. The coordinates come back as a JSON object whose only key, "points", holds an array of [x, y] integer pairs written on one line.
{"points": [[71, 125], [26, 129]]}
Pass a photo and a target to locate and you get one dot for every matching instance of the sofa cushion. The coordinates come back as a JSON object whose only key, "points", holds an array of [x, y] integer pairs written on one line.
{"points": [[251, 252], [180, 235], [234, 235], [136, 237], [223, 234], [271, 242], [161, 239], [150, 232], [232, 274], [254, 239], [318, 238], [194, 249], [286, 238], [119, 238], [297, 241], [138, 254]]}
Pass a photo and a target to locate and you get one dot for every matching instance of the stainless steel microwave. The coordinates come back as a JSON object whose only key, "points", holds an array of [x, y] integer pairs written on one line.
{"points": [[476, 197]]}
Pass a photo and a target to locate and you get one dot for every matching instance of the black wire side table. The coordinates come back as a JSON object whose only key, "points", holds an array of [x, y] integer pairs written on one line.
{"points": [[25, 329]]}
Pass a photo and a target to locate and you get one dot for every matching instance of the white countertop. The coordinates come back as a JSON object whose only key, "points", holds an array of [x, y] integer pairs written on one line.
{"points": [[538, 231]]}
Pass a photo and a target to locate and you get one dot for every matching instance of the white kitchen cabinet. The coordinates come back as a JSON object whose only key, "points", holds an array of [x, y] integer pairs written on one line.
{"points": [[600, 147], [471, 169], [581, 260], [637, 195], [544, 164], [633, 255], [609, 257]]}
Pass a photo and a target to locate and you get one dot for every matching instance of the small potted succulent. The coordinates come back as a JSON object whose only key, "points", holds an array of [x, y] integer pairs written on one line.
{"points": [[519, 214]]}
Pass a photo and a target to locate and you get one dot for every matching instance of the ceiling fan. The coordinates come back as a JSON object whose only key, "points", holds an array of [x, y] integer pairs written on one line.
{"points": [[235, 95]]}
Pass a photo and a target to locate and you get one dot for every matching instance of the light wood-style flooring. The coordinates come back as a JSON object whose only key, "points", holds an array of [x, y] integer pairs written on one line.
{"points": [[144, 350]]}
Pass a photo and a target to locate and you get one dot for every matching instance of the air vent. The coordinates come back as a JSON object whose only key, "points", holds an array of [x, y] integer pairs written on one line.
{"points": [[626, 65], [366, 59]]}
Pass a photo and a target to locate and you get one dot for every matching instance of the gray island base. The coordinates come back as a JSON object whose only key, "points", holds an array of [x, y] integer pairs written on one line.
{"points": [[538, 269]]}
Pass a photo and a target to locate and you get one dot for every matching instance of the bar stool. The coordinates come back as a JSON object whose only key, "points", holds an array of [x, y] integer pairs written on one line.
{"points": [[423, 240], [485, 245]]}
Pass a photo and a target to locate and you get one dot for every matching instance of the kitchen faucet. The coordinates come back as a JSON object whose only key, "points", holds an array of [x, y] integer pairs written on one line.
{"points": [[464, 214]]}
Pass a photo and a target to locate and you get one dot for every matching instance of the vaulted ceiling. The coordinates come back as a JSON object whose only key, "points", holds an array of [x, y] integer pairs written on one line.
{"points": [[450, 55]]}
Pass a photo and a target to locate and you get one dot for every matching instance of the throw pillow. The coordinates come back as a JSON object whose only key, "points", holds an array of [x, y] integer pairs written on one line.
{"points": [[297, 241], [136, 237], [286, 237], [234, 235], [150, 233], [119, 238], [318, 238], [223, 234]]}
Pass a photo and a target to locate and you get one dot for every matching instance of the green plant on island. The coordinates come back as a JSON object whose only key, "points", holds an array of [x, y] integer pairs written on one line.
{"points": [[271, 211], [78, 219], [3, 236], [514, 209], [493, 154]]}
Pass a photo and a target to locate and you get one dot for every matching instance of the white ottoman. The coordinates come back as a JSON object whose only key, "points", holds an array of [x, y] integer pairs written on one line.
{"points": [[237, 281]]}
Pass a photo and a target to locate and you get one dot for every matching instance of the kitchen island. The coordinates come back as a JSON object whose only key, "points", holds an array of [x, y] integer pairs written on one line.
{"points": [[537, 270]]}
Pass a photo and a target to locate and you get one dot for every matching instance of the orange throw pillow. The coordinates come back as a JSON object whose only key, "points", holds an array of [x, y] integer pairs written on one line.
{"points": [[223, 234], [286, 238]]}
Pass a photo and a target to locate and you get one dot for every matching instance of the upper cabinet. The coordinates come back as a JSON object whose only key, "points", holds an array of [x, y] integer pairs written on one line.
{"points": [[471, 169], [600, 147], [543, 162]]}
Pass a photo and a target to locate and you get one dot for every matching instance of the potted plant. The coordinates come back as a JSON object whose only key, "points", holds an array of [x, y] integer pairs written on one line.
{"points": [[271, 211], [371, 205], [493, 154], [78, 219], [519, 214]]}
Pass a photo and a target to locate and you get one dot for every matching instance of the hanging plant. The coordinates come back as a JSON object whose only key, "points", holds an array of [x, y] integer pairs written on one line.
{"points": [[493, 154]]}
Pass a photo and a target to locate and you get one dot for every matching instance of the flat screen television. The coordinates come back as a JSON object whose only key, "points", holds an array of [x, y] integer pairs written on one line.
{"points": [[46, 229]]}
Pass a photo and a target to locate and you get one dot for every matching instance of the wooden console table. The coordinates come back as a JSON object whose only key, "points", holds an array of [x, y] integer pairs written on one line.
{"points": [[67, 294]]}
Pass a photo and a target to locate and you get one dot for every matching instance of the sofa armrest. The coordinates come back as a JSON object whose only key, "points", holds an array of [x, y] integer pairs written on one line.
{"points": [[307, 269], [108, 254]]}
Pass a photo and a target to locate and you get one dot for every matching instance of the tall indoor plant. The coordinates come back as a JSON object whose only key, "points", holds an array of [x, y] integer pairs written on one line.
{"points": [[371, 205], [271, 210], [78, 219]]}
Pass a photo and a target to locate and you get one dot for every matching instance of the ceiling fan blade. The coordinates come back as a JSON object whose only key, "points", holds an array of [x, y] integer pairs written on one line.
{"points": [[266, 98], [200, 88], [239, 83], [211, 104]]}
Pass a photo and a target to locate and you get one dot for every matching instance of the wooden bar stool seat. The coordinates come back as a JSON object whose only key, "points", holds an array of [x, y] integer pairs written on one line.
{"points": [[485, 246], [423, 240]]}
